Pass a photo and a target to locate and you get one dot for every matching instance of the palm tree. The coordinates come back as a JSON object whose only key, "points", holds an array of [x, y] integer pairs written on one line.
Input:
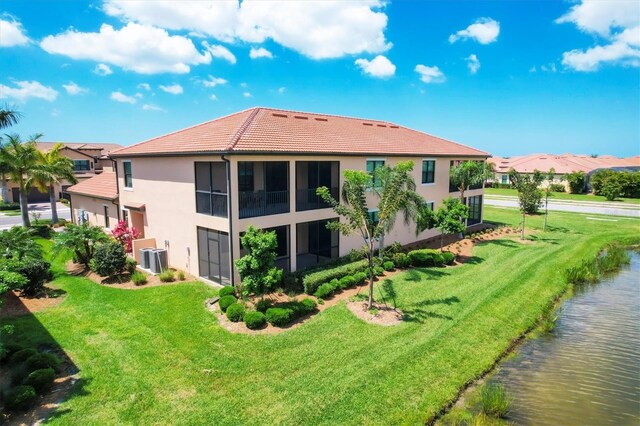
{"points": [[52, 169], [21, 160], [8, 117], [470, 173]]}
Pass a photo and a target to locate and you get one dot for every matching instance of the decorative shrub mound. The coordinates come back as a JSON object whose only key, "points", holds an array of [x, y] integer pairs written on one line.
{"points": [[449, 258], [263, 304], [308, 305], [314, 280], [425, 257], [21, 355], [327, 289], [389, 266], [130, 266], [108, 259], [181, 275], [43, 360], [235, 312], [226, 301], [254, 320], [347, 282], [401, 260], [36, 271], [378, 271], [139, 278], [41, 380], [20, 398], [167, 276], [279, 317], [227, 290], [360, 277], [438, 260]]}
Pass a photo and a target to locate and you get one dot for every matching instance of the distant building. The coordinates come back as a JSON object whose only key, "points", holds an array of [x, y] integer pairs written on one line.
{"points": [[562, 164]]}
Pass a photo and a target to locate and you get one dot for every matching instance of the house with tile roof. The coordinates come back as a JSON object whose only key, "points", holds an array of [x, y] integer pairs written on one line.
{"points": [[194, 192], [89, 159]]}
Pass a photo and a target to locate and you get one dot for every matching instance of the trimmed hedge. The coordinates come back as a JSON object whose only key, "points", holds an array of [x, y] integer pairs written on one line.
{"points": [[314, 280], [347, 282], [378, 271], [235, 312], [226, 301], [254, 320], [9, 206], [20, 398], [327, 289], [284, 313], [401, 260], [43, 360], [360, 277], [389, 266], [449, 258], [227, 290], [438, 260], [263, 305], [22, 355], [279, 317], [41, 380]]}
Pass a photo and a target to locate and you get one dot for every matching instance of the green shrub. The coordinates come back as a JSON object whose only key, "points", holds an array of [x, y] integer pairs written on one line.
{"points": [[424, 257], [109, 259], [326, 290], [279, 317], [557, 187], [235, 312], [36, 271], [43, 360], [9, 206], [20, 398], [378, 271], [41, 380], [389, 266], [181, 275], [438, 260], [167, 276], [227, 290], [263, 304], [309, 305], [449, 258], [347, 282], [394, 248], [8, 349], [21, 355], [401, 260], [254, 320], [313, 280], [139, 278], [130, 265], [494, 401], [42, 230], [226, 301], [12, 280], [360, 278]]}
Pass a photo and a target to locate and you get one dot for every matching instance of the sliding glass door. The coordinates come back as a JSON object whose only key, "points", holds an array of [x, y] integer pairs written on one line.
{"points": [[213, 255]]}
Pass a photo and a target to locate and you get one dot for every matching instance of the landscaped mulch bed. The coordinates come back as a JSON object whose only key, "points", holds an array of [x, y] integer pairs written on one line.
{"points": [[123, 281], [14, 305], [380, 315]]}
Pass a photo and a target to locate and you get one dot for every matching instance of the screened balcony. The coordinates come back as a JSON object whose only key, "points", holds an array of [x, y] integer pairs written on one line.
{"points": [[315, 244], [263, 188], [310, 175]]}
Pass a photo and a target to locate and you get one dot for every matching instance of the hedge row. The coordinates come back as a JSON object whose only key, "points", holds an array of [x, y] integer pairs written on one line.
{"points": [[285, 313], [314, 280], [328, 289], [430, 257]]}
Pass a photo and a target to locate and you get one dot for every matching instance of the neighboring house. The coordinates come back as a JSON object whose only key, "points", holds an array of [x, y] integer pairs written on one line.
{"points": [[562, 164], [89, 159], [95, 200], [195, 191]]}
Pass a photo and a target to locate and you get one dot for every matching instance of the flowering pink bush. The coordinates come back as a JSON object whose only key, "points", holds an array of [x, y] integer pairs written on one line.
{"points": [[125, 235]]}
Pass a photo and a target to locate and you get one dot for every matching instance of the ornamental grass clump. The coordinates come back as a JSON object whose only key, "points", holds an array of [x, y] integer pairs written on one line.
{"points": [[494, 401]]}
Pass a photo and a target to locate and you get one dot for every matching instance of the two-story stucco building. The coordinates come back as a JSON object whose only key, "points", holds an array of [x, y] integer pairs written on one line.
{"points": [[195, 191]]}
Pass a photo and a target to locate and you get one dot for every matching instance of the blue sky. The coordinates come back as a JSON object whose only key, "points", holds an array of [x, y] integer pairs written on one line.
{"points": [[509, 77]]}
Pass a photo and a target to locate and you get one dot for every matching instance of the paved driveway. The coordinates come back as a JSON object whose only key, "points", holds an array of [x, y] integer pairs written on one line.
{"points": [[43, 209], [610, 209]]}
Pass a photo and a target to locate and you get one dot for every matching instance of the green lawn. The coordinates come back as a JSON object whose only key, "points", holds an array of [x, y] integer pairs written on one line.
{"points": [[157, 356], [565, 196]]}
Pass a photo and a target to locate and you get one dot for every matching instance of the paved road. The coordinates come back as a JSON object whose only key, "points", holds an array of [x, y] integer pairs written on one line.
{"points": [[610, 209], [41, 208]]}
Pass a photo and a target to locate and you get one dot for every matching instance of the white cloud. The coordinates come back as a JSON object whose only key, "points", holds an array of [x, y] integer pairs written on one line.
{"points": [[12, 33], [26, 90], [260, 52], [174, 89], [616, 22], [152, 107], [246, 94], [73, 89], [379, 67], [473, 63], [139, 48], [213, 81], [243, 84], [282, 89], [121, 97], [102, 69], [484, 31], [213, 97], [430, 74], [315, 28], [144, 86], [218, 51]]}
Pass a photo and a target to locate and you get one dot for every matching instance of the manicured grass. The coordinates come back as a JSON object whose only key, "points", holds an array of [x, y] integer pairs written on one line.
{"points": [[11, 213], [564, 196], [156, 355]]}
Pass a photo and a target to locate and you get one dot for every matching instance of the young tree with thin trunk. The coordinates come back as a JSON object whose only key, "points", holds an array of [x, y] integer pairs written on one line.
{"points": [[529, 195], [449, 218], [470, 173], [52, 169], [8, 117], [547, 190], [21, 160], [353, 209]]}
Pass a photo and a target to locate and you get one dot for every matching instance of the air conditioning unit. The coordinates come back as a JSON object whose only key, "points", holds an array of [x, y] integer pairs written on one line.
{"points": [[157, 260], [145, 254]]}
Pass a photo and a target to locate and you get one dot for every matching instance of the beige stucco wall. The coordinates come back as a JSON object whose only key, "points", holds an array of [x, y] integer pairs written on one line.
{"points": [[165, 185], [95, 210]]}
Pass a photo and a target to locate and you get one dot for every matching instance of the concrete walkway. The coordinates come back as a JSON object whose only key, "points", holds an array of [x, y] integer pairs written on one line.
{"points": [[594, 207], [43, 209]]}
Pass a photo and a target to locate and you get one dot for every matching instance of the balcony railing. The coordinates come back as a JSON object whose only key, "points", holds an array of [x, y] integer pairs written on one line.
{"points": [[307, 199], [211, 203], [262, 203]]}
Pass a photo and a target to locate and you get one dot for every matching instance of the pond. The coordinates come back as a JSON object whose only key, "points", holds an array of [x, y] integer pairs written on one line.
{"points": [[587, 372]]}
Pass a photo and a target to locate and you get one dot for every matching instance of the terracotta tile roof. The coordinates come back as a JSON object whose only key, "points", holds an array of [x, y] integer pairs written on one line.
{"points": [[103, 185], [279, 131], [562, 164], [104, 148]]}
